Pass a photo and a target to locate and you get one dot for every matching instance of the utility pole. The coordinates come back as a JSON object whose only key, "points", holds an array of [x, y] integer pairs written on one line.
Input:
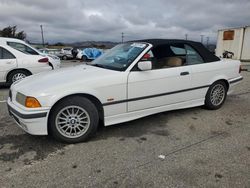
{"points": [[202, 38], [42, 34], [186, 36], [207, 41], [122, 37]]}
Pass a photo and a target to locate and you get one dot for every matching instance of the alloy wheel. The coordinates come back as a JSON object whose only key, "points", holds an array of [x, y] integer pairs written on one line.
{"points": [[72, 121], [217, 94], [17, 77]]}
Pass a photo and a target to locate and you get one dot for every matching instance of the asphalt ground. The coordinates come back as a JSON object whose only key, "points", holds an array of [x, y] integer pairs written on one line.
{"points": [[184, 148]]}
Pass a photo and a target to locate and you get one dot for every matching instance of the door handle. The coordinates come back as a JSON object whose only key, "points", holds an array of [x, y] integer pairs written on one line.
{"points": [[9, 62], [184, 73]]}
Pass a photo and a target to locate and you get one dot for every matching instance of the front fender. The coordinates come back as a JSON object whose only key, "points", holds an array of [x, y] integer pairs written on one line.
{"points": [[51, 100]]}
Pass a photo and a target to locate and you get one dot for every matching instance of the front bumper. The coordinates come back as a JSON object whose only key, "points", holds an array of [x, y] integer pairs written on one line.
{"points": [[34, 123]]}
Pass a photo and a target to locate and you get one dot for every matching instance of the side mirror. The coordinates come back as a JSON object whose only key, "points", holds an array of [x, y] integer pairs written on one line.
{"points": [[145, 65]]}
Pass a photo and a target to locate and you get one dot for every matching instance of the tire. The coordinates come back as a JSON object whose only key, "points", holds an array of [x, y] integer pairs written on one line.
{"points": [[68, 127], [216, 95], [84, 58], [17, 75], [64, 57]]}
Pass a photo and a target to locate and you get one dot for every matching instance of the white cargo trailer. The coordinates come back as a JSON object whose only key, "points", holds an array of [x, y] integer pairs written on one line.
{"points": [[235, 40]]}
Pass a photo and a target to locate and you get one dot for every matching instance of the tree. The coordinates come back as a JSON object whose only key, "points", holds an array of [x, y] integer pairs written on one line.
{"points": [[10, 31]]}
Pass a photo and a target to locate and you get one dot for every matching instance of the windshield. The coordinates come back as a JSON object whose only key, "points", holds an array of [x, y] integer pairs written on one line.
{"points": [[120, 57]]}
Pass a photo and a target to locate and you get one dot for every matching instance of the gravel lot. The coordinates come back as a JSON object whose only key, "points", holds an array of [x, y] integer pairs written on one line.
{"points": [[201, 148]]}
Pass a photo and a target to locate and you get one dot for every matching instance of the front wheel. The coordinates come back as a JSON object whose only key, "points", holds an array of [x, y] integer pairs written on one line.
{"points": [[216, 95], [73, 120]]}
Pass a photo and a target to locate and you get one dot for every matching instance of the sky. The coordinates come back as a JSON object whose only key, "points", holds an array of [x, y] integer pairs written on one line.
{"points": [[105, 20]]}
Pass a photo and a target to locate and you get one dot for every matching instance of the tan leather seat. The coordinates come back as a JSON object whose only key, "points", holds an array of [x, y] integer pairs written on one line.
{"points": [[174, 62], [169, 62]]}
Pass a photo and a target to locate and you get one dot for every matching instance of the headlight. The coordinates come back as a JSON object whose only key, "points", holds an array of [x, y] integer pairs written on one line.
{"points": [[21, 98], [29, 102]]}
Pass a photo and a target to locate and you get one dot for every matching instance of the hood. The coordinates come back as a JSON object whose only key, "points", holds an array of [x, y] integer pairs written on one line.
{"points": [[59, 79]]}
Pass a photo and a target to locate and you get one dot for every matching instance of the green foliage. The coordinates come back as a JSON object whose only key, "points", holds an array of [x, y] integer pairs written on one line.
{"points": [[11, 32]]}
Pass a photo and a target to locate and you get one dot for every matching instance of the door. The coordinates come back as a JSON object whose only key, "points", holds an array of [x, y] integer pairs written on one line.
{"points": [[7, 62], [154, 88], [167, 83]]}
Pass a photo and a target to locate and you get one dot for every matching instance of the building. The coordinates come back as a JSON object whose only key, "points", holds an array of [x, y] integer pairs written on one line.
{"points": [[235, 40]]}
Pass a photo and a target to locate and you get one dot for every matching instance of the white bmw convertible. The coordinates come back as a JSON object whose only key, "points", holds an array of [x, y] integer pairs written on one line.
{"points": [[130, 81]]}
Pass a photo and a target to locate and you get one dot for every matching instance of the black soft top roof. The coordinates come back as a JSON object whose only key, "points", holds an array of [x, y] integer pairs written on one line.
{"points": [[200, 48]]}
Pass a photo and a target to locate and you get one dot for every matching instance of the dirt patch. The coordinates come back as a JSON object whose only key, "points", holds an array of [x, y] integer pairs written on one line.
{"points": [[200, 162], [192, 128], [23, 144], [122, 139], [223, 133], [161, 132], [5, 121], [98, 171], [74, 166], [229, 122], [142, 139], [218, 176]]}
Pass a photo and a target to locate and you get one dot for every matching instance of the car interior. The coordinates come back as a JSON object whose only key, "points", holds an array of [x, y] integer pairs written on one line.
{"points": [[174, 55]]}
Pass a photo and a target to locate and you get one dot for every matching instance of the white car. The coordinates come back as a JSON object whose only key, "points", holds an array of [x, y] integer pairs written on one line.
{"points": [[18, 60], [130, 81], [66, 53]]}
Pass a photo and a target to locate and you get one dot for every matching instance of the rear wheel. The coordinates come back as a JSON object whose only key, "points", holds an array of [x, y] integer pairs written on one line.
{"points": [[216, 95], [73, 120], [64, 57], [17, 75]]}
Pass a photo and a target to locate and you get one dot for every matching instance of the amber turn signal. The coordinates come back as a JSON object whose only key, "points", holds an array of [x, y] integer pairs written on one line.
{"points": [[32, 102]]}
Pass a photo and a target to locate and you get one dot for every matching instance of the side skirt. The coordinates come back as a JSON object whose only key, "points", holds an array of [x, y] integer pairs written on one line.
{"points": [[111, 120]]}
